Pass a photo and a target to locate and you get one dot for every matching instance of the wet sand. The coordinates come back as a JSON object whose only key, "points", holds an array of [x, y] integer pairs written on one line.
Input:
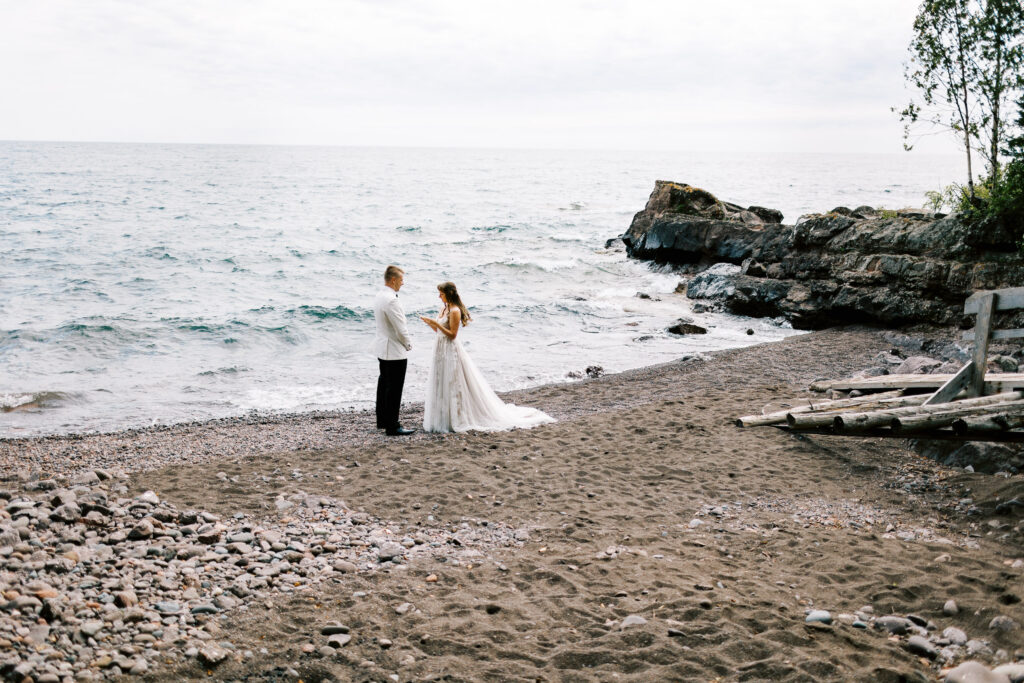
{"points": [[643, 500]]}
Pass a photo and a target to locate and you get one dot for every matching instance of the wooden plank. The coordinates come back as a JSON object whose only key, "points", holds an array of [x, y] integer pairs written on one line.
{"points": [[938, 420], [982, 330], [849, 421], [996, 334], [957, 383], [939, 435], [995, 382], [1009, 299], [814, 406]]}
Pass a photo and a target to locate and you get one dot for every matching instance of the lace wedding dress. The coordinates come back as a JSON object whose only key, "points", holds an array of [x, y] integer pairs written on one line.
{"points": [[459, 398]]}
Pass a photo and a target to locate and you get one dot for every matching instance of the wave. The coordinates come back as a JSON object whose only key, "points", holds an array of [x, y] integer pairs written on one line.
{"points": [[324, 313], [39, 400], [233, 370]]}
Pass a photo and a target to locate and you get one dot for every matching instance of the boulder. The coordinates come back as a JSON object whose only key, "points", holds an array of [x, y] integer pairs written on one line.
{"points": [[845, 266], [717, 282], [681, 327]]}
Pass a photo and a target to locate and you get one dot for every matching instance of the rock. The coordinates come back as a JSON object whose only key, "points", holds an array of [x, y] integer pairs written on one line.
{"points": [[1007, 363], [403, 608], [167, 607], [920, 646], [831, 268], [1015, 672], [68, 513], [950, 608], [333, 627], [339, 640], [389, 551], [142, 530], [916, 365], [1003, 623], [895, 625], [974, 672], [682, 328], [818, 616], [149, 497], [344, 567], [212, 655], [717, 282], [632, 620], [594, 371], [955, 636], [91, 628]]}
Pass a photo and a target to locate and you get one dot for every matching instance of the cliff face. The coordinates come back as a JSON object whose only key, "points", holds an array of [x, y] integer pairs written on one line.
{"points": [[859, 265]]}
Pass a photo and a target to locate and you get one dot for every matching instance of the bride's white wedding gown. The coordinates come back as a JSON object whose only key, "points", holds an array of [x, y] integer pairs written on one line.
{"points": [[459, 398]]}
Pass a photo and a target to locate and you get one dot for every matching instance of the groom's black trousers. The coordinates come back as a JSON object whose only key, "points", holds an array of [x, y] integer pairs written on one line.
{"points": [[389, 392]]}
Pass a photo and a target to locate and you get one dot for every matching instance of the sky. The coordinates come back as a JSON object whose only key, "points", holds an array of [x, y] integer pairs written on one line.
{"points": [[688, 75]]}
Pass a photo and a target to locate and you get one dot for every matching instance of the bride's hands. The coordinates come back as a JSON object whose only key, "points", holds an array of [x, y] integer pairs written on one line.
{"points": [[430, 323]]}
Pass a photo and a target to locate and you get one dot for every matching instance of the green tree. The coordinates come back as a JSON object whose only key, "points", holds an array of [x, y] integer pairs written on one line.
{"points": [[943, 68], [998, 27]]}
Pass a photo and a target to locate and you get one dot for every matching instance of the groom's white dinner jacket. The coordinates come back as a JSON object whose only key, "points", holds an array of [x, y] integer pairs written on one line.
{"points": [[392, 341]]}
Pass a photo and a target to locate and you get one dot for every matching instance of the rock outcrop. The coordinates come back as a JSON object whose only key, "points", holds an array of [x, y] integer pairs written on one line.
{"points": [[844, 266]]}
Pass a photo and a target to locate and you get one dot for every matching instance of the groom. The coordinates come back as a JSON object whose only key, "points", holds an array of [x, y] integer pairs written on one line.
{"points": [[392, 347]]}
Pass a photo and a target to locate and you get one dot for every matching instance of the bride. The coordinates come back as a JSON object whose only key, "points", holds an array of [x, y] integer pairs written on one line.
{"points": [[458, 397]]}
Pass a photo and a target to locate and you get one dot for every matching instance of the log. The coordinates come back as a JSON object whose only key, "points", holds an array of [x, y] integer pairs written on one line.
{"points": [[938, 420], [883, 418], [779, 416], [987, 424], [824, 418], [995, 382]]}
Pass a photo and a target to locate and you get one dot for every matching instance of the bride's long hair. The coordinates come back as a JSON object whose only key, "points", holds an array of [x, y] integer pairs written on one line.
{"points": [[451, 295]]}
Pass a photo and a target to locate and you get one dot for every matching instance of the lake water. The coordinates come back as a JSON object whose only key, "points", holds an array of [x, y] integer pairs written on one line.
{"points": [[145, 284]]}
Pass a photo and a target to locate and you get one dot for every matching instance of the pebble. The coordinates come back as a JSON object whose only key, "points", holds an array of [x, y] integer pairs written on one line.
{"points": [[919, 645], [1003, 623], [1015, 672], [950, 608], [339, 640], [632, 620], [818, 616], [142, 579], [974, 672], [955, 636], [333, 627], [403, 608], [895, 625]]}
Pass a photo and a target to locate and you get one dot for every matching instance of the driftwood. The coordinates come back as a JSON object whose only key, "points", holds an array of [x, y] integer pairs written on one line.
{"points": [[780, 416], [992, 411], [945, 418], [826, 418], [995, 382], [987, 423], [883, 418]]}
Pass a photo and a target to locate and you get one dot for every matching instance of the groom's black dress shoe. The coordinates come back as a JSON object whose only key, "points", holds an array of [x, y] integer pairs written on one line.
{"points": [[399, 431]]}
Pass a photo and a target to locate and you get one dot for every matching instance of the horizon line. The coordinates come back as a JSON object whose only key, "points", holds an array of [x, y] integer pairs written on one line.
{"points": [[468, 147]]}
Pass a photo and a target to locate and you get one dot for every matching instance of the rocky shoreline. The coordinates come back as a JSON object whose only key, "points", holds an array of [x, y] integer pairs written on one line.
{"points": [[863, 265]]}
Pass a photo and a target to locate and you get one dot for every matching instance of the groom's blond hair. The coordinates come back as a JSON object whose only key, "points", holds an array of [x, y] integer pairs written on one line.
{"points": [[391, 272]]}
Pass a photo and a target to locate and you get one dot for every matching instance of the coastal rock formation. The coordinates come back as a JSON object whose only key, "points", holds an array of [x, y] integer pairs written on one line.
{"points": [[860, 265]]}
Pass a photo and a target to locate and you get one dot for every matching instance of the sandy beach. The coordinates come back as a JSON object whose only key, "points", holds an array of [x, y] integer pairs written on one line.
{"points": [[642, 537]]}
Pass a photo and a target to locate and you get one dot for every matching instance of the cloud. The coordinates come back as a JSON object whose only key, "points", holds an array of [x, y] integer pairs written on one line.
{"points": [[454, 72]]}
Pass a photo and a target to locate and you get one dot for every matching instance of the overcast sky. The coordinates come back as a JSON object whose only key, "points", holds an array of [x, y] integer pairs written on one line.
{"points": [[762, 75]]}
